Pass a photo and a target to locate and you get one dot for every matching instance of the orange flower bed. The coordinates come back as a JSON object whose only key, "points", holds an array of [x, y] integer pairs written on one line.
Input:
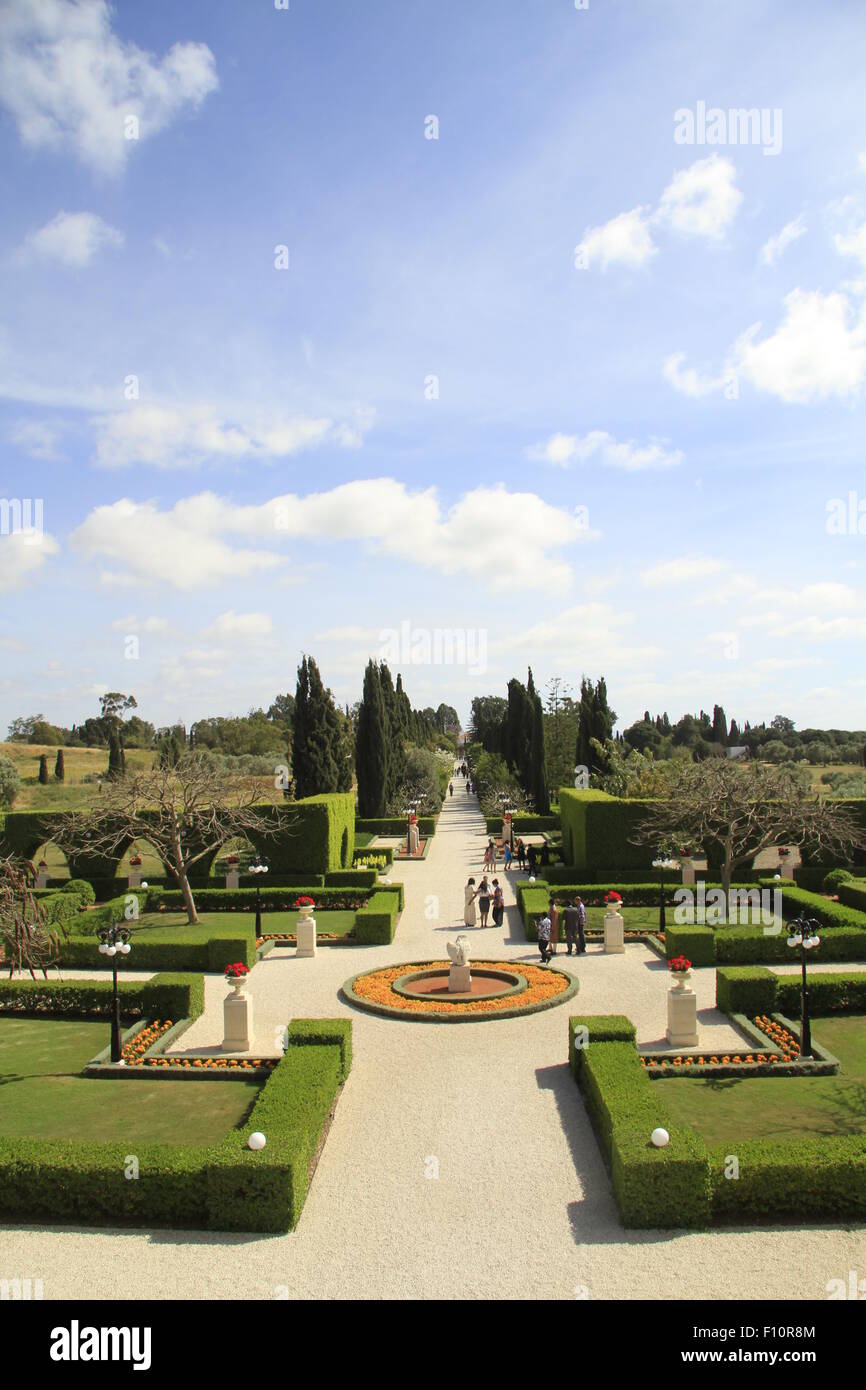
{"points": [[541, 985], [133, 1053]]}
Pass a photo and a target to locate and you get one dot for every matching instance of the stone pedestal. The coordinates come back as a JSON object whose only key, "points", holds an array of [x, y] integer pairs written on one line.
{"points": [[233, 879], [614, 933], [688, 872], [135, 878], [682, 1017], [306, 936], [41, 878], [459, 979], [414, 840], [237, 1022], [786, 868]]}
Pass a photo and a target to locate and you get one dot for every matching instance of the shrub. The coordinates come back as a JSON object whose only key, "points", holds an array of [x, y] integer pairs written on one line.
{"points": [[749, 946], [324, 1031], [853, 893], [746, 990], [376, 921], [81, 888], [10, 782], [164, 996], [828, 994], [597, 831], [598, 1028], [351, 878], [832, 880], [804, 1179], [698, 944]]}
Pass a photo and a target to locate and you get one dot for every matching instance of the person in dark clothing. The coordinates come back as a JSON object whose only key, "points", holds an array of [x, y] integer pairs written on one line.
{"points": [[532, 856], [575, 927], [521, 854], [545, 855]]}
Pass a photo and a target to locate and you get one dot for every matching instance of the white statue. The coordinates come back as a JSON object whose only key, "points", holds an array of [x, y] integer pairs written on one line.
{"points": [[458, 953]]}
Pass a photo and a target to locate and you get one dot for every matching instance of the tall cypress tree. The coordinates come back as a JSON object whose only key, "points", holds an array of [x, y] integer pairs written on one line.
{"points": [[115, 756], [583, 751], [60, 767], [316, 754], [43, 768], [539, 787], [371, 746], [720, 725], [396, 759]]}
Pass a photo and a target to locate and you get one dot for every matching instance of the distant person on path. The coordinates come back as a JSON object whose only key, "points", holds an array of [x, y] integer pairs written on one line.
{"points": [[544, 939], [508, 856], [469, 896], [521, 854], [545, 855], [450, 788], [575, 924], [498, 904], [531, 855], [553, 914], [490, 856], [484, 900]]}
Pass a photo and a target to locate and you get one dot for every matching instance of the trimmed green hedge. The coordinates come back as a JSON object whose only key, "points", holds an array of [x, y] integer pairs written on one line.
{"points": [[746, 990], [244, 899], [697, 944], [598, 1028], [749, 946], [165, 996], [806, 1179], [394, 825], [597, 831], [376, 921], [205, 948], [654, 1188], [351, 878], [224, 1187], [823, 909], [853, 894], [525, 823], [316, 1032], [828, 994]]}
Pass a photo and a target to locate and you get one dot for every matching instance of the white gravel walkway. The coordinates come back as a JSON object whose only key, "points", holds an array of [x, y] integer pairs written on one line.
{"points": [[461, 1163]]}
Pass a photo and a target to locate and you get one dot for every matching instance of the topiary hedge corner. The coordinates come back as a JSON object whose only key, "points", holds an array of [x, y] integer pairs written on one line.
{"points": [[697, 944]]}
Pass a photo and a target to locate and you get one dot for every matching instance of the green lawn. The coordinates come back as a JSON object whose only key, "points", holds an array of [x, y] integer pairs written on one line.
{"points": [[729, 1110], [43, 1097], [635, 918], [152, 923]]}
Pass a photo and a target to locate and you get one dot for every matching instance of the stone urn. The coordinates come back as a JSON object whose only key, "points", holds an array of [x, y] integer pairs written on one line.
{"points": [[614, 932], [680, 978]]}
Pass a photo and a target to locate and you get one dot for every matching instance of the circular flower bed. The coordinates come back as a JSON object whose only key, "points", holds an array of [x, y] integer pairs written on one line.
{"points": [[544, 988]]}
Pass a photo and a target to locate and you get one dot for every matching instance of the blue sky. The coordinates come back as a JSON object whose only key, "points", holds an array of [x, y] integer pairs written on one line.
{"points": [[552, 388]]}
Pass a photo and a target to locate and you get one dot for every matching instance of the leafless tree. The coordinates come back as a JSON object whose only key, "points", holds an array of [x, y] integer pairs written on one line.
{"points": [[186, 812], [28, 942], [742, 810]]}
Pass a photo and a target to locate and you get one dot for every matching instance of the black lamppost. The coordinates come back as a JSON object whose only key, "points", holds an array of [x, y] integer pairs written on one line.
{"points": [[114, 942], [661, 864], [257, 869], [804, 936]]}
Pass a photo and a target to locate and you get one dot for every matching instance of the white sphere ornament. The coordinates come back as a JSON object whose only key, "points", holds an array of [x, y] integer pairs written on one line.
{"points": [[660, 1137], [256, 1140], [532, 878]]}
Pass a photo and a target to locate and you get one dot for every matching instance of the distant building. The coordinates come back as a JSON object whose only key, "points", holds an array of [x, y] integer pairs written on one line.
{"points": [[737, 752]]}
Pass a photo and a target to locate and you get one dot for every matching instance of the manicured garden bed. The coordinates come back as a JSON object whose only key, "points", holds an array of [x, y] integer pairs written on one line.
{"points": [[44, 1096]]}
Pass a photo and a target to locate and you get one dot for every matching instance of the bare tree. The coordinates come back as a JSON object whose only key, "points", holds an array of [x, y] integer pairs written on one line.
{"points": [[741, 811], [186, 812], [28, 942]]}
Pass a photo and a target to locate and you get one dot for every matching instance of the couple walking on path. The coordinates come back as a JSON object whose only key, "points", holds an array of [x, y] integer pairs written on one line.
{"points": [[574, 921], [485, 893]]}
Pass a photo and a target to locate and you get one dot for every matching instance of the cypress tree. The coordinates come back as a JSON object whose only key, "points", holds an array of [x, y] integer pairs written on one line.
{"points": [[720, 725], [371, 746], [316, 758], [43, 768], [60, 767], [583, 750], [396, 757], [539, 787], [115, 756]]}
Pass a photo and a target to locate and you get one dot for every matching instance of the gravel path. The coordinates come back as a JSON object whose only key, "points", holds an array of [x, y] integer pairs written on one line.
{"points": [[461, 1163]]}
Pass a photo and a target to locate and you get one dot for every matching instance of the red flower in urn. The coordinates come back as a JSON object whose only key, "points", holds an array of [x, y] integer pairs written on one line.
{"points": [[304, 902], [236, 971], [679, 965], [613, 899]]}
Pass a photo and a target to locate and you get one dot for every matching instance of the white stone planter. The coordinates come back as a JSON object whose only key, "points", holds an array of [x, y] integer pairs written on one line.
{"points": [[135, 878], [459, 979], [688, 869], [41, 878], [237, 1018], [614, 933], [233, 879], [306, 935], [682, 1030]]}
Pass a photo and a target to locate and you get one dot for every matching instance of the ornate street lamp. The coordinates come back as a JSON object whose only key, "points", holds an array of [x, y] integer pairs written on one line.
{"points": [[662, 863], [804, 937], [114, 942], [257, 869]]}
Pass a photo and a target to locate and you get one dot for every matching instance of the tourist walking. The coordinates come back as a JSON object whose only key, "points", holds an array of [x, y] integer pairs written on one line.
{"points": [[498, 904], [450, 788], [544, 939], [491, 855], [484, 900], [531, 856], [469, 896], [553, 914], [508, 856], [521, 854]]}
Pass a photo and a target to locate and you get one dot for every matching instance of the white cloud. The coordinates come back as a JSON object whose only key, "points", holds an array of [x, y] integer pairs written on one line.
{"points": [[189, 546], [72, 84], [36, 439], [819, 349], [775, 246], [22, 556], [133, 624], [164, 436], [853, 244], [688, 381], [682, 570], [562, 450], [70, 238], [243, 627], [703, 199], [624, 240]]}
